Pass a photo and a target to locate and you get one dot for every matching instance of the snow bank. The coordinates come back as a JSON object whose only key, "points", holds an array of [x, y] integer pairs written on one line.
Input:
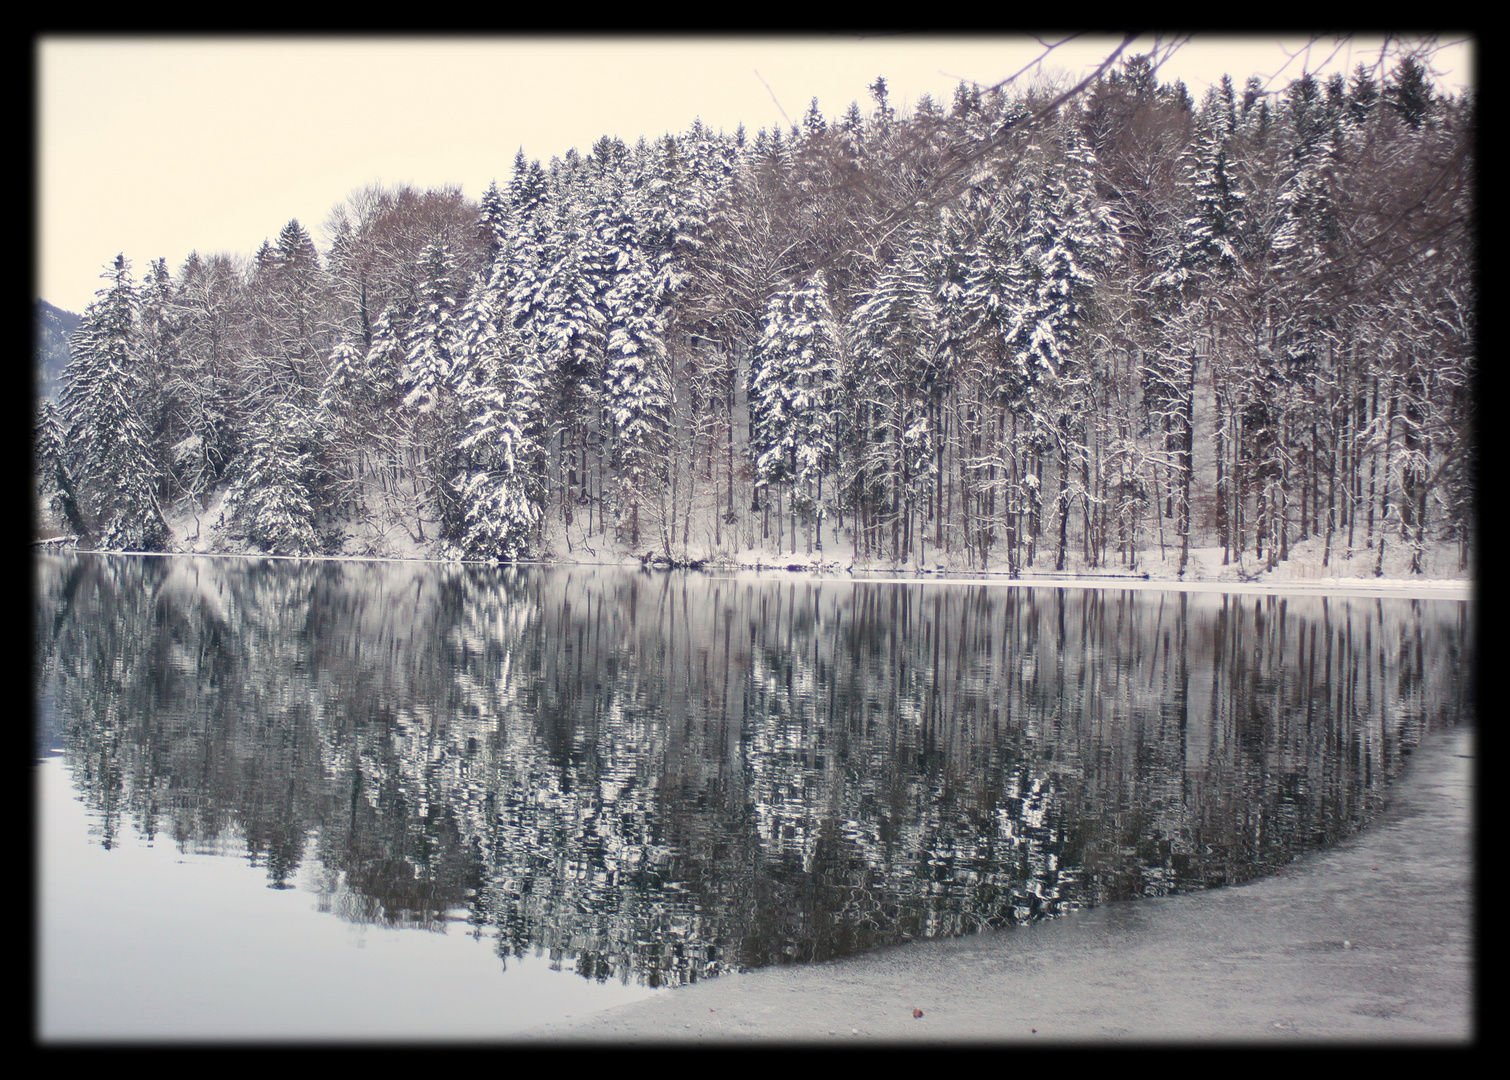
{"points": [[1309, 570]]}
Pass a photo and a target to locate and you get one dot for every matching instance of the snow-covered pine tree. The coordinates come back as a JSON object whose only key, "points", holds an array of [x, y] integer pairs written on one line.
{"points": [[430, 378], [348, 392], [494, 216], [271, 502], [566, 323], [636, 390], [55, 487], [895, 335], [1304, 316], [518, 269], [1216, 228], [793, 394], [110, 452], [47, 437], [1069, 238], [1363, 95], [630, 241], [346, 417], [1408, 93], [431, 341], [1223, 119], [502, 485], [295, 294], [157, 358], [670, 211], [1193, 256], [386, 359], [975, 296]]}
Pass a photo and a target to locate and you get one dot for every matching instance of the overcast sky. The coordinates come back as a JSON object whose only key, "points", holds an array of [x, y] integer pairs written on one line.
{"points": [[156, 147]]}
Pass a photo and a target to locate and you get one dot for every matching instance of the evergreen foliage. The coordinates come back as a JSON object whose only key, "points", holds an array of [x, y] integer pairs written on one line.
{"points": [[110, 448], [271, 502], [502, 484], [973, 332], [794, 382]]}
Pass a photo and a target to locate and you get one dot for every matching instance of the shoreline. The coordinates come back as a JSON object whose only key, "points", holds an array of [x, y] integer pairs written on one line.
{"points": [[1371, 940], [1402, 588]]}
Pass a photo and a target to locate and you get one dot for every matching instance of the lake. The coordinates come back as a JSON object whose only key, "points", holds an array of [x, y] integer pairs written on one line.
{"points": [[286, 799]]}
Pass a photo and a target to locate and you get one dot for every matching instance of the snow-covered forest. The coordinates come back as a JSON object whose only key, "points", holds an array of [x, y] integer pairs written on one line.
{"points": [[989, 333]]}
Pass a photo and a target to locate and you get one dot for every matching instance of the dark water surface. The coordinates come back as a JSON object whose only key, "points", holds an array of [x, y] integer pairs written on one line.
{"points": [[648, 779]]}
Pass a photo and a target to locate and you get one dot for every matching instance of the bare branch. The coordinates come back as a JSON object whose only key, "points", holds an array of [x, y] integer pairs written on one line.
{"points": [[768, 90]]}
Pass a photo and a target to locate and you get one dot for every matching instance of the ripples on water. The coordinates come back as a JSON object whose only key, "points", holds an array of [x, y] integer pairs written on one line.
{"points": [[656, 778]]}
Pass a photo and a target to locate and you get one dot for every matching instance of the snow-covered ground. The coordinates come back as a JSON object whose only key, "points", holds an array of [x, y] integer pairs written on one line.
{"points": [[201, 532]]}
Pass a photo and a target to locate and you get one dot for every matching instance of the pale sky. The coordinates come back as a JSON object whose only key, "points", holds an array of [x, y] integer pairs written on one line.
{"points": [[158, 146]]}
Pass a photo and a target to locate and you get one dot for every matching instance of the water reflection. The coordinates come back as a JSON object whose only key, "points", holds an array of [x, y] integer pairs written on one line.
{"points": [[660, 777]]}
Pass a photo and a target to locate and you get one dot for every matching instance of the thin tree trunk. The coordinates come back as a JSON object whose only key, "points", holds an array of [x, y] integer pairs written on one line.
{"points": [[1389, 431], [1373, 468], [1187, 465]]}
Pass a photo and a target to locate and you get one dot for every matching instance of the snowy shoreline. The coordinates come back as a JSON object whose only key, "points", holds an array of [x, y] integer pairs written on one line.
{"points": [[1403, 588], [1371, 940]]}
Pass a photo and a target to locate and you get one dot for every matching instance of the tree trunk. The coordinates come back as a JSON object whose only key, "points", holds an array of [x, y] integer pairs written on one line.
{"points": [[1389, 431]]}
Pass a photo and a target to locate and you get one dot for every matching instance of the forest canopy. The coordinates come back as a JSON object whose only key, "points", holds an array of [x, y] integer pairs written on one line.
{"points": [[1017, 328]]}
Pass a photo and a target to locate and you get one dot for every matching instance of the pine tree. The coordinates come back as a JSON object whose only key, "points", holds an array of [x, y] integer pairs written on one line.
{"points": [[157, 349], [502, 485], [110, 448], [431, 340], [431, 381], [1409, 94], [1068, 241], [1363, 95], [348, 391], [895, 331], [387, 357], [1068, 237], [495, 209], [347, 414], [634, 239], [636, 390], [793, 393], [1224, 120], [1215, 230], [55, 487], [291, 293], [1192, 264], [271, 502]]}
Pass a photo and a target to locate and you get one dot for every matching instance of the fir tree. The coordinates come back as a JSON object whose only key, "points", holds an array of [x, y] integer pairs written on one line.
{"points": [[271, 502], [387, 357], [1069, 239], [501, 487], [109, 446], [1363, 95], [896, 338], [348, 391], [290, 292], [1409, 93], [794, 378], [431, 340], [55, 487]]}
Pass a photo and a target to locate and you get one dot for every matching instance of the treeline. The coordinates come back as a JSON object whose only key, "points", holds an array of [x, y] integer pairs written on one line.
{"points": [[980, 333]]}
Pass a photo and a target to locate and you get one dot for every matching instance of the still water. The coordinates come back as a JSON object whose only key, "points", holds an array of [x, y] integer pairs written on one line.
{"points": [[296, 799]]}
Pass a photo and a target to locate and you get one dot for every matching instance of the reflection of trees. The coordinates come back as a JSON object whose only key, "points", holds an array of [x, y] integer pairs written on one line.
{"points": [[662, 777]]}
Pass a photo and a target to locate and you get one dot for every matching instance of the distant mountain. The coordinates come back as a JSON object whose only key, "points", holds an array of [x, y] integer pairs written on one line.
{"points": [[53, 328]]}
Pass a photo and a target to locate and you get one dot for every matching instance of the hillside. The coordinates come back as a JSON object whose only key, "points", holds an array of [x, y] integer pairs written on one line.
{"points": [[51, 329]]}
